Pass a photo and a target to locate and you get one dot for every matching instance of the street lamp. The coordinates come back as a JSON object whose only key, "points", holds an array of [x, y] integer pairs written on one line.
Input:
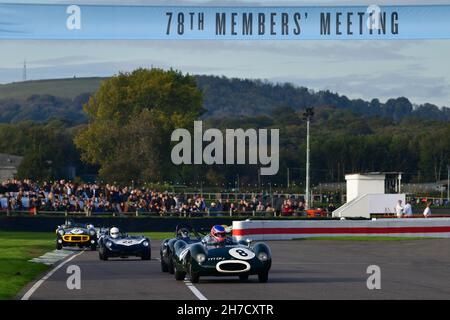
{"points": [[307, 115]]}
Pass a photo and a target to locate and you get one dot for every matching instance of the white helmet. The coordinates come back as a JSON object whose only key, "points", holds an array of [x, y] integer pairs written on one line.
{"points": [[114, 232]]}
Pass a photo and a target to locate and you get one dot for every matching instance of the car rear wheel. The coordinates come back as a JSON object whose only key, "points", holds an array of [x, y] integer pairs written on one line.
{"points": [[263, 276], [243, 277], [164, 266], [171, 267]]}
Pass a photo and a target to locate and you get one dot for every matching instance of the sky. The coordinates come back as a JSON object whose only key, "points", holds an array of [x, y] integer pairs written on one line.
{"points": [[418, 70]]}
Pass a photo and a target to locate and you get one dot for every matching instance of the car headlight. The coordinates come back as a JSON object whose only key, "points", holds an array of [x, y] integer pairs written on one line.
{"points": [[61, 232], [145, 243], [201, 257], [263, 256], [92, 232], [109, 244]]}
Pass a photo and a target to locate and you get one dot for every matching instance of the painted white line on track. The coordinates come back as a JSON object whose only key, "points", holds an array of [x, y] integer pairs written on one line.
{"points": [[28, 294], [194, 290], [191, 287]]}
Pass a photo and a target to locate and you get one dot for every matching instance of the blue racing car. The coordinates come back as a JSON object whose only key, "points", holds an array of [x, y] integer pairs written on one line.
{"points": [[118, 244]]}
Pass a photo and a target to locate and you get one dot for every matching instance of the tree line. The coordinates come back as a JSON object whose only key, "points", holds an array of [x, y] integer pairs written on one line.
{"points": [[225, 97]]}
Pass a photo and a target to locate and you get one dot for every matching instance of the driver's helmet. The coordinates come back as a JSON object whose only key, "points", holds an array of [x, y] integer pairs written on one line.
{"points": [[183, 232], [114, 232], [89, 226], [69, 223], [218, 233]]}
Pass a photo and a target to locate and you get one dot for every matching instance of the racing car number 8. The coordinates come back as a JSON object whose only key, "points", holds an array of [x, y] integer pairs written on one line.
{"points": [[241, 253]]}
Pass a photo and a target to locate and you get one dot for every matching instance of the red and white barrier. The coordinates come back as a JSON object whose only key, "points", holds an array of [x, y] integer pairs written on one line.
{"points": [[293, 229]]}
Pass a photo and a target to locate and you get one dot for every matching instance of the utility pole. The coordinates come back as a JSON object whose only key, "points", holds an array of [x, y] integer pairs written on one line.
{"points": [[288, 177], [307, 115], [24, 74], [448, 184]]}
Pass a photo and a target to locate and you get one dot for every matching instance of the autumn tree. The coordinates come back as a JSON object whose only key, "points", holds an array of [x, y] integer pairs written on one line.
{"points": [[131, 118]]}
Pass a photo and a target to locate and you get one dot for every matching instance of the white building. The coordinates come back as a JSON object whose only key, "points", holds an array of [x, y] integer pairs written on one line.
{"points": [[366, 195]]}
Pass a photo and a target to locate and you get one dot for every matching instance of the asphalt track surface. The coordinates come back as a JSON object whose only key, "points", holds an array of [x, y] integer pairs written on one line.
{"points": [[303, 269]]}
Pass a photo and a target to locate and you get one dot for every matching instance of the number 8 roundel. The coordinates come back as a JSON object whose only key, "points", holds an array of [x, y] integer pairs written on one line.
{"points": [[241, 253]]}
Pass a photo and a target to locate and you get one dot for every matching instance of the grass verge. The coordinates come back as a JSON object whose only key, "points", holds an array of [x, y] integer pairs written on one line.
{"points": [[155, 235], [16, 248]]}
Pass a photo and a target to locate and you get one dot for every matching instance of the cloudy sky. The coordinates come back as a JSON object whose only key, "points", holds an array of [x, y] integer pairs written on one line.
{"points": [[419, 70]]}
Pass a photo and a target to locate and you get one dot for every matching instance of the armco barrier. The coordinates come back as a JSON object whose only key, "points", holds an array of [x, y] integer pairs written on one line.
{"points": [[49, 224], [285, 230]]}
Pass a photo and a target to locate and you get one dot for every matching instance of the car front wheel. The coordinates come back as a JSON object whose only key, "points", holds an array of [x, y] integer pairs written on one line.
{"points": [[179, 275], [102, 254], [194, 276], [243, 277], [147, 255], [263, 276]]}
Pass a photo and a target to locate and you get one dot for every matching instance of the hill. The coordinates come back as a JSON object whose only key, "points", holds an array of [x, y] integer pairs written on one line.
{"points": [[62, 99], [64, 88]]}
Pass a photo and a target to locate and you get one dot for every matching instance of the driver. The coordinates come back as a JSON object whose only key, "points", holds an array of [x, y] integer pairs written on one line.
{"points": [[183, 233], [218, 235], [114, 232]]}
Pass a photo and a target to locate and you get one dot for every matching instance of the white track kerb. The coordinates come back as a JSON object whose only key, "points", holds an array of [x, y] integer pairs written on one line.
{"points": [[28, 294]]}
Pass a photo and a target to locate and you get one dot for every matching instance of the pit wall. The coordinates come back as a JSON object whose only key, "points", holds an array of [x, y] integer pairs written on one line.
{"points": [[287, 230]]}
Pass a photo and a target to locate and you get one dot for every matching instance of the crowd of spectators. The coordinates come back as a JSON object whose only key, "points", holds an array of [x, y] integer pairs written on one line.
{"points": [[93, 198]]}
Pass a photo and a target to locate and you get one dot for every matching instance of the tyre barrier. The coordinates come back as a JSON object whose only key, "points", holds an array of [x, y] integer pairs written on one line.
{"points": [[287, 230]]}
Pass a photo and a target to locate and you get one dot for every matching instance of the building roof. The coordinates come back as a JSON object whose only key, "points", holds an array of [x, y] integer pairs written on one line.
{"points": [[9, 160]]}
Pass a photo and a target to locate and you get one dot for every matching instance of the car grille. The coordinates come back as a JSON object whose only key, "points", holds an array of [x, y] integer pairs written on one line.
{"points": [[232, 266], [73, 238]]}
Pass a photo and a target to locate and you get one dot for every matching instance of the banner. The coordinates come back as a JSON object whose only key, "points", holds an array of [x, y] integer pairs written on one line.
{"points": [[111, 22]]}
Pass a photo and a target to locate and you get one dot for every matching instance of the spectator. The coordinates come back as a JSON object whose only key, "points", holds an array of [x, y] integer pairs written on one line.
{"points": [[260, 207], [408, 209], [330, 208], [427, 211], [219, 206], [399, 209], [270, 211], [213, 209], [287, 209]]}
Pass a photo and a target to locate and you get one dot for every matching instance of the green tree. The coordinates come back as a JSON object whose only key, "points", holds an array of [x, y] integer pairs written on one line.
{"points": [[131, 117]]}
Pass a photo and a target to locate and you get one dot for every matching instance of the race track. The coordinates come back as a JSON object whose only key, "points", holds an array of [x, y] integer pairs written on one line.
{"points": [[306, 269]]}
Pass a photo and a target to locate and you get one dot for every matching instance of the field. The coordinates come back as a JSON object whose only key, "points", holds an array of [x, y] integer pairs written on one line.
{"points": [[66, 88]]}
